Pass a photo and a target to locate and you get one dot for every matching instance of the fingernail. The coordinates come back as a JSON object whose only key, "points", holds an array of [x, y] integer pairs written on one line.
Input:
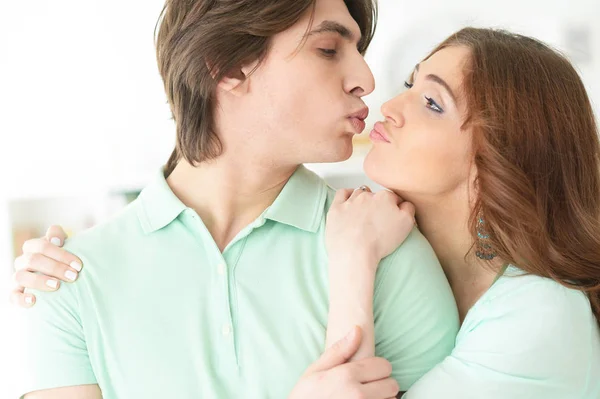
{"points": [[52, 283], [28, 300], [71, 275], [76, 265], [55, 241]]}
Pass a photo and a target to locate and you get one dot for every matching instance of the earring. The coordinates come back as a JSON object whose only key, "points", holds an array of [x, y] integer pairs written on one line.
{"points": [[484, 248]]}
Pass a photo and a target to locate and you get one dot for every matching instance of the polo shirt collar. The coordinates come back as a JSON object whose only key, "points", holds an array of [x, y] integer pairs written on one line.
{"points": [[301, 203], [158, 205]]}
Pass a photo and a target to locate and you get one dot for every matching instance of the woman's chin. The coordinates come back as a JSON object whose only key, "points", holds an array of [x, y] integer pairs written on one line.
{"points": [[375, 170]]}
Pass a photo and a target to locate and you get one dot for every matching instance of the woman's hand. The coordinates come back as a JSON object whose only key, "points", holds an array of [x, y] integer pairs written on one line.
{"points": [[366, 225], [43, 265]]}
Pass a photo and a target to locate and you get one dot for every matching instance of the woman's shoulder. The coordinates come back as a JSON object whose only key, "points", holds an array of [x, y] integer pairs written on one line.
{"points": [[526, 337], [534, 327], [518, 287], [536, 309], [518, 293]]}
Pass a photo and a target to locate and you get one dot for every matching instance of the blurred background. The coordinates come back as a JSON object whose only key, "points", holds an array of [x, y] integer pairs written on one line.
{"points": [[84, 121]]}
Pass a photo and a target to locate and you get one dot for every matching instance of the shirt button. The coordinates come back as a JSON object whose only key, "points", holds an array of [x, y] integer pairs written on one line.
{"points": [[221, 268], [226, 330]]}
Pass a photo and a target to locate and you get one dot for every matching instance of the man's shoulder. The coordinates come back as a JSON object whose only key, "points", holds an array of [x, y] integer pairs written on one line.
{"points": [[120, 229], [416, 319], [413, 272], [414, 256]]}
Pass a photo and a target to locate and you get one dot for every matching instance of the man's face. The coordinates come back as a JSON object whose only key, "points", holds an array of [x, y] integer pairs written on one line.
{"points": [[299, 103]]}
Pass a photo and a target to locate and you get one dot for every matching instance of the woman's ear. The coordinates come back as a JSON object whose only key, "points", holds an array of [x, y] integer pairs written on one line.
{"points": [[473, 183]]}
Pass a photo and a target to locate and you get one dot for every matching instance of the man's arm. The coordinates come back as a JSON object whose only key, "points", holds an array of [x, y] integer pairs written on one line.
{"points": [[55, 355], [78, 392]]}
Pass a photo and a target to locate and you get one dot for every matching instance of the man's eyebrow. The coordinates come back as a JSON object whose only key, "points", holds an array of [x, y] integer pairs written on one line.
{"points": [[334, 27], [438, 80]]}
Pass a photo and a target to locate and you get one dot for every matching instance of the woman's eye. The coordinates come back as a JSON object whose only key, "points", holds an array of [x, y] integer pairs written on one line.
{"points": [[408, 85], [432, 105]]}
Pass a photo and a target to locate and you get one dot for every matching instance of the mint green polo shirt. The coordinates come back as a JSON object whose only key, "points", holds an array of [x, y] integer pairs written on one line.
{"points": [[527, 337], [159, 312]]}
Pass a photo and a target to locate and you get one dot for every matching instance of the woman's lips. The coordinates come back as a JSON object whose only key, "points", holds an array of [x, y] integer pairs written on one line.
{"points": [[378, 133]]}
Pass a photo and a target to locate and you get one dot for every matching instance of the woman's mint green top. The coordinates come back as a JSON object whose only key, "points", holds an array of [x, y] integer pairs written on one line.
{"points": [[527, 337]]}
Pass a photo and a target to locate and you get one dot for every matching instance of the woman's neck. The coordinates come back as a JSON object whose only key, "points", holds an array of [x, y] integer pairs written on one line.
{"points": [[444, 220]]}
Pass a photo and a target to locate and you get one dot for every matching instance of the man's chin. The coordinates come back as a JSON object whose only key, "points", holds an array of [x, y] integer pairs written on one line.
{"points": [[335, 152], [342, 152], [339, 156]]}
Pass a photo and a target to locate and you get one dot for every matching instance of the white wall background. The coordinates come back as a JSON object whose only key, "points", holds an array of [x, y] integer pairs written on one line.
{"points": [[82, 111], [408, 30]]}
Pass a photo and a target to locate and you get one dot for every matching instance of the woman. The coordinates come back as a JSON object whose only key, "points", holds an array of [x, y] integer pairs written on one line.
{"points": [[494, 142]]}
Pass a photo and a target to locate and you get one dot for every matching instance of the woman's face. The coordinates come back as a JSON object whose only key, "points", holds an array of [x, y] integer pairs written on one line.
{"points": [[420, 148]]}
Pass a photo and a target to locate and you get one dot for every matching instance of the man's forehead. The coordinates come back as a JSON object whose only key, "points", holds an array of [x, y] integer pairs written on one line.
{"points": [[329, 26], [337, 12], [329, 16]]}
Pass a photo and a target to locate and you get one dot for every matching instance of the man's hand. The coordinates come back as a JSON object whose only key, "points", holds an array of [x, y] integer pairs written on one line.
{"points": [[332, 377], [43, 265]]}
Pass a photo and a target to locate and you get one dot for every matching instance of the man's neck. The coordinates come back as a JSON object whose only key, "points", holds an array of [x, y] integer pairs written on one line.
{"points": [[228, 194], [444, 221]]}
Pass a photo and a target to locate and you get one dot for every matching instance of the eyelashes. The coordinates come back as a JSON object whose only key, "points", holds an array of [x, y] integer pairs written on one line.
{"points": [[327, 52], [430, 102], [432, 105]]}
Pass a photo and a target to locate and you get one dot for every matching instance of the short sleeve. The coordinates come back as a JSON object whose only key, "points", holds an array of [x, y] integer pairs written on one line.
{"points": [[533, 341], [416, 319], [55, 352]]}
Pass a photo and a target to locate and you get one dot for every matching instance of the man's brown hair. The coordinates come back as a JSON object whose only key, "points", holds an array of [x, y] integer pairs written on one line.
{"points": [[200, 41]]}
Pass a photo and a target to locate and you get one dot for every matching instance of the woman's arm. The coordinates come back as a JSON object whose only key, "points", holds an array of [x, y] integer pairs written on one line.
{"points": [[362, 228], [351, 300]]}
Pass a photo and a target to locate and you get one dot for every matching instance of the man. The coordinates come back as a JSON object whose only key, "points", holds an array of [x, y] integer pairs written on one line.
{"points": [[213, 283]]}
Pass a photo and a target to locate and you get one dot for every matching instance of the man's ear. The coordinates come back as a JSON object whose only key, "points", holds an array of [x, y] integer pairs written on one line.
{"points": [[237, 80]]}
